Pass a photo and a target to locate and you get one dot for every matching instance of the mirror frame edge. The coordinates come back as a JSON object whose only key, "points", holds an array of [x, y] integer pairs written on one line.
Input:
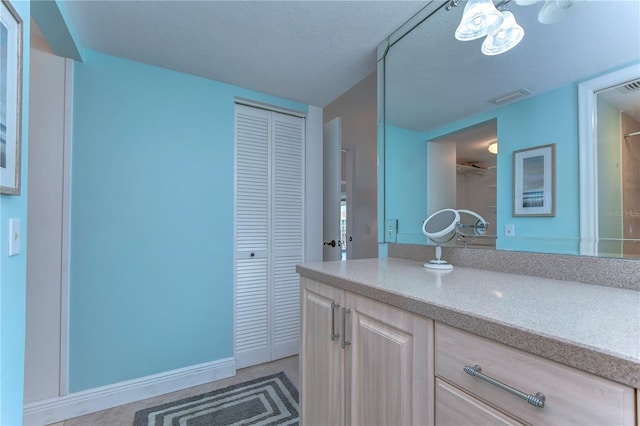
{"points": [[383, 48]]}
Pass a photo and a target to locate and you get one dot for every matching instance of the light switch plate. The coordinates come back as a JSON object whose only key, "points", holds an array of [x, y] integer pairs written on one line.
{"points": [[14, 237], [391, 230]]}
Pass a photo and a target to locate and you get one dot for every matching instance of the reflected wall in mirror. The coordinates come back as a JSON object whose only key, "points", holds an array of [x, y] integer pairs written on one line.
{"points": [[462, 173], [435, 86]]}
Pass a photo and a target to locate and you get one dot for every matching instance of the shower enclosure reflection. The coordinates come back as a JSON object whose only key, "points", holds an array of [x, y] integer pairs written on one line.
{"points": [[618, 146]]}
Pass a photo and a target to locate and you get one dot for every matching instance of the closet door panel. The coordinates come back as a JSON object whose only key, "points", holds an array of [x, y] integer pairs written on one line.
{"points": [[251, 312], [287, 231], [253, 130], [286, 309]]}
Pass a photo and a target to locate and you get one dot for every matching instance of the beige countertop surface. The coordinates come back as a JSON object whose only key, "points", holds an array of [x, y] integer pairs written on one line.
{"points": [[590, 327]]}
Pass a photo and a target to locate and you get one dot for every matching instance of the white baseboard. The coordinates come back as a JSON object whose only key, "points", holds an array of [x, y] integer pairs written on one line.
{"points": [[89, 401]]}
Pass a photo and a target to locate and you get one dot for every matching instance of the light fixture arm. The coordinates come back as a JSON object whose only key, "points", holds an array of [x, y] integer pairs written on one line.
{"points": [[455, 3], [452, 4], [502, 5]]}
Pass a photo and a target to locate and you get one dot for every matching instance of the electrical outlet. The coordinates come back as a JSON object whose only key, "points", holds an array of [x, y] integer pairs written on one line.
{"points": [[510, 230]]}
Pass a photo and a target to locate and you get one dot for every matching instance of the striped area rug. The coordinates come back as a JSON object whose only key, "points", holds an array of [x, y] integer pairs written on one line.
{"points": [[271, 400]]}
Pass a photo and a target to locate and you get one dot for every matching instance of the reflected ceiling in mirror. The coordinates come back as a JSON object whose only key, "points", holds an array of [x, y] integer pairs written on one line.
{"points": [[433, 79]]}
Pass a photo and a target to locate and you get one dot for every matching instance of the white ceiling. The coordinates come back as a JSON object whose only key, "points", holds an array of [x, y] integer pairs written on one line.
{"points": [[308, 51]]}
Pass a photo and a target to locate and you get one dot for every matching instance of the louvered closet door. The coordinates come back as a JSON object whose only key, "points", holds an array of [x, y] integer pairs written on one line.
{"points": [[269, 234], [287, 232], [253, 130]]}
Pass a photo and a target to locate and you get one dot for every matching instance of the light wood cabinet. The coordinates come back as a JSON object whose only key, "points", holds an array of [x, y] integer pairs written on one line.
{"points": [[456, 407], [321, 359], [571, 396], [366, 363], [378, 371]]}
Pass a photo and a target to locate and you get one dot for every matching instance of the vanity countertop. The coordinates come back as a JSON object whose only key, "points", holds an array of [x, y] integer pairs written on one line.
{"points": [[590, 327]]}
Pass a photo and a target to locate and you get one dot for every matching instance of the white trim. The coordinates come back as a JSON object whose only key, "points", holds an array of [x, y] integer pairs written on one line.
{"points": [[89, 401], [588, 152], [269, 107], [66, 228], [313, 186]]}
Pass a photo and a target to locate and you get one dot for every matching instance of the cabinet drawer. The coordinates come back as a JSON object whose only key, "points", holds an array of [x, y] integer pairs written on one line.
{"points": [[455, 407], [572, 396]]}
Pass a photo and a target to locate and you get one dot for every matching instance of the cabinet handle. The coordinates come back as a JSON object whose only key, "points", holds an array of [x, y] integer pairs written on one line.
{"points": [[536, 400], [334, 306], [343, 342]]}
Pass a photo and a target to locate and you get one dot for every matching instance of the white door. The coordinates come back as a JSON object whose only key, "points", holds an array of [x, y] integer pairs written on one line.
{"points": [[287, 233], [253, 129], [331, 192], [348, 167], [269, 234]]}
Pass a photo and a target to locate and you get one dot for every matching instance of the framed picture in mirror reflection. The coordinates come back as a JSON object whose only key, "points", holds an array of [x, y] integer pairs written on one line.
{"points": [[534, 181]]}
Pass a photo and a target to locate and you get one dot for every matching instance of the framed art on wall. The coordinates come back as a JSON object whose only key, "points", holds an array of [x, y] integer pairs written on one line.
{"points": [[10, 99], [534, 181]]}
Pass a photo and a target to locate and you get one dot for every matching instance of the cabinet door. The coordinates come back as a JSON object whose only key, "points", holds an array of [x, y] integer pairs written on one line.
{"points": [[321, 359], [389, 365], [454, 407]]}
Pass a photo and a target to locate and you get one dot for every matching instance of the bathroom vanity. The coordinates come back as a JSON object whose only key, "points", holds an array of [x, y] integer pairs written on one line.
{"points": [[386, 341]]}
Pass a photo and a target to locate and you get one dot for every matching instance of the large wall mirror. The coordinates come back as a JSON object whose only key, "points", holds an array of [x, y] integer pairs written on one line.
{"points": [[442, 102]]}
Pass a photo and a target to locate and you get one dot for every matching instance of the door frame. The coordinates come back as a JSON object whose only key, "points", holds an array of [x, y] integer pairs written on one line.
{"points": [[588, 152], [350, 161], [331, 191]]}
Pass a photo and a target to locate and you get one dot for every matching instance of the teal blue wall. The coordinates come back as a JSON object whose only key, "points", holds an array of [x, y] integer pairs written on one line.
{"points": [[13, 270], [406, 182], [151, 220], [544, 119]]}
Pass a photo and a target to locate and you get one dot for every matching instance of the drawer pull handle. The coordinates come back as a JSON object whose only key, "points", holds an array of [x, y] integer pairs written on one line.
{"points": [[536, 400], [334, 335]]}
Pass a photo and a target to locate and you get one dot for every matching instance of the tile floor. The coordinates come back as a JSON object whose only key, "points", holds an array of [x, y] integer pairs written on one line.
{"points": [[123, 414]]}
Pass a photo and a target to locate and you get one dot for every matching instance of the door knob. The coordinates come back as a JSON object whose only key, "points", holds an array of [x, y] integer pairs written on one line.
{"points": [[331, 243]]}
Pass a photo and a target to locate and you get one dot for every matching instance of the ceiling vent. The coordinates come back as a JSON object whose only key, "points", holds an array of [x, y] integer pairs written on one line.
{"points": [[631, 86], [510, 97], [472, 168]]}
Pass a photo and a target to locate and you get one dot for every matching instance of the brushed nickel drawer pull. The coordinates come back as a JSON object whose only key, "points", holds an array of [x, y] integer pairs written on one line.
{"points": [[343, 342], [334, 335], [536, 400]]}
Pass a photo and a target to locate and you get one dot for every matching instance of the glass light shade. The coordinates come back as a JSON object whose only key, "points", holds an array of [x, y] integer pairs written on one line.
{"points": [[480, 17], [504, 38], [555, 11], [526, 2], [493, 147]]}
